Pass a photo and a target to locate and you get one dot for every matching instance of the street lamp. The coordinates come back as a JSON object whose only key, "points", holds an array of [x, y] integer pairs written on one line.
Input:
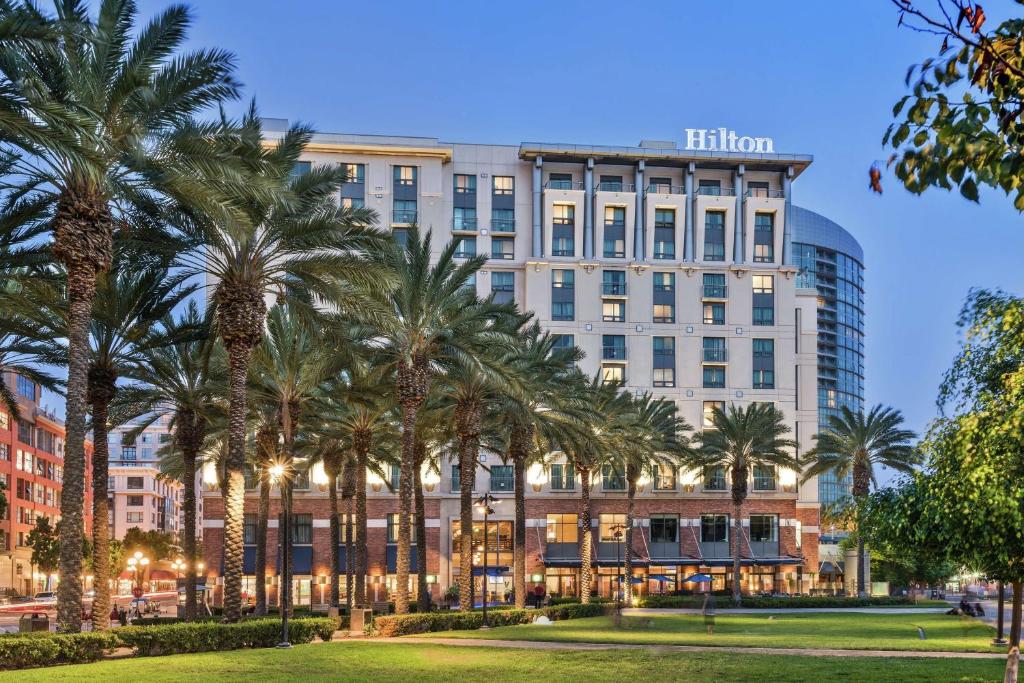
{"points": [[374, 479], [485, 504], [617, 532], [537, 476], [178, 566], [137, 564]]}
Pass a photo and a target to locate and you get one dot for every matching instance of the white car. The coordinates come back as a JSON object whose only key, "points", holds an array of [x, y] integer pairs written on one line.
{"points": [[47, 597]]}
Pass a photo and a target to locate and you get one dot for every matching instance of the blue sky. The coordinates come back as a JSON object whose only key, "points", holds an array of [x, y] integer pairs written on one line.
{"points": [[819, 77]]}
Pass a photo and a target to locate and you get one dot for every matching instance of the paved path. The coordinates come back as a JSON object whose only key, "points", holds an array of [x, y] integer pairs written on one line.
{"points": [[788, 610], [807, 652]]}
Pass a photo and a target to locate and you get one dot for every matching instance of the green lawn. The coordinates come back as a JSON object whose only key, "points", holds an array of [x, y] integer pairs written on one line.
{"points": [[362, 661], [819, 630]]}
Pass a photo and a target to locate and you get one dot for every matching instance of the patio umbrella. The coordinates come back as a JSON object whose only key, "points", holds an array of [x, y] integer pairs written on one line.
{"points": [[634, 579], [661, 578], [698, 578]]}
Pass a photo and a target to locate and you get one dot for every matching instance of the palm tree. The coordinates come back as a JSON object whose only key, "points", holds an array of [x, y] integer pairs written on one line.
{"points": [[113, 101], [656, 435], [738, 440], [853, 442], [290, 237], [130, 302], [428, 318]]}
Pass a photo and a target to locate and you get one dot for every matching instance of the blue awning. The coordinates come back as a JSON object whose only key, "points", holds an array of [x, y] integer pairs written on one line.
{"points": [[491, 571], [661, 578], [392, 558], [698, 578]]}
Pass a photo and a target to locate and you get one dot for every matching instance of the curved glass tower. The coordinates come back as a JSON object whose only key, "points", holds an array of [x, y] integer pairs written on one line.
{"points": [[832, 262]]}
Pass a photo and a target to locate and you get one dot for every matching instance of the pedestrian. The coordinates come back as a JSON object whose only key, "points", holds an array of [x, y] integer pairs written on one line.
{"points": [[538, 594], [708, 610], [122, 616], [113, 613]]}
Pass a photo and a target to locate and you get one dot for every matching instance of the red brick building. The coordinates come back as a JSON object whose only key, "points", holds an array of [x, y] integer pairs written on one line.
{"points": [[32, 470]]}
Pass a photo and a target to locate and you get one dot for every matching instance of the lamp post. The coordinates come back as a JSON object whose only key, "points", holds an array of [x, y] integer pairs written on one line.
{"points": [[178, 566], [485, 503], [617, 531], [277, 474]]}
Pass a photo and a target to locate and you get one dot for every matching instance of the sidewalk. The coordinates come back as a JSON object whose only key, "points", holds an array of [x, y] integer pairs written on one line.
{"points": [[806, 652]]}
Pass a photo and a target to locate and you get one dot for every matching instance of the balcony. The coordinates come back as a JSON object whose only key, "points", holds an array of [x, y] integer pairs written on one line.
{"points": [[716, 191], [665, 189], [715, 355], [613, 353], [616, 187], [463, 224], [716, 291], [503, 225], [502, 484], [613, 288], [563, 185], [763, 193], [407, 217]]}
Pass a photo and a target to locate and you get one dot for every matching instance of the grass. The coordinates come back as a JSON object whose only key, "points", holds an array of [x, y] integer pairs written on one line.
{"points": [[362, 661], [854, 631]]}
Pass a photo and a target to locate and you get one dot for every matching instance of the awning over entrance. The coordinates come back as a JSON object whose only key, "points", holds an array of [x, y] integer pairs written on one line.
{"points": [[661, 578], [831, 569], [759, 562], [491, 571]]}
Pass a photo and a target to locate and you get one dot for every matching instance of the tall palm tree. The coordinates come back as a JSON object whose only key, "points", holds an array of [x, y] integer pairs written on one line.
{"points": [[740, 439], [856, 443], [130, 302], [588, 448], [114, 100], [656, 435], [427, 318], [290, 236]]}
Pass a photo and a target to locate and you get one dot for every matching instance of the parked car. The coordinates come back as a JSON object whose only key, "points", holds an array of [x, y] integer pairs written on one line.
{"points": [[46, 596]]}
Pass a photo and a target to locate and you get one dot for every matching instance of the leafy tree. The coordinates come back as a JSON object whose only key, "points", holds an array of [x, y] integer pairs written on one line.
{"points": [[45, 546], [855, 443], [156, 545], [739, 440], [3, 499]]}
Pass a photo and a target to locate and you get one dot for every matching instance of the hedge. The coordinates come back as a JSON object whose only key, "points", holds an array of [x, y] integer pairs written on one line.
{"points": [[754, 602], [408, 624], [24, 650], [211, 637]]}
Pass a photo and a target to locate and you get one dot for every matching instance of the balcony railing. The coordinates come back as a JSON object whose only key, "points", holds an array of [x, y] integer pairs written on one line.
{"points": [[715, 355], [658, 188], [502, 483], [765, 193], [716, 191], [563, 185], [464, 224], [613, 353], [613, 288], [403, 216], [503, 224], [616, 187], [716, 291]]}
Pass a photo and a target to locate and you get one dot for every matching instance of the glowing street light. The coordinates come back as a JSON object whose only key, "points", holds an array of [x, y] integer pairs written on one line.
{"points": [[429, 477], [537, 476], [375, 481], [318, 475]]}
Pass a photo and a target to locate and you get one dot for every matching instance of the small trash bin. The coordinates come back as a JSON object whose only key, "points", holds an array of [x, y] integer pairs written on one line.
{"points": [[37, 621], [358, 620]]}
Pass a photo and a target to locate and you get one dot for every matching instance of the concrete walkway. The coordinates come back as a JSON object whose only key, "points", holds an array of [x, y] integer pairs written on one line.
{"points": [[803, 651], [636, 611]]}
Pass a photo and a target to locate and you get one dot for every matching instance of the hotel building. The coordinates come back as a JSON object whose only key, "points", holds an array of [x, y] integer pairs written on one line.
{"points": [[32, 472], [676, 271]]}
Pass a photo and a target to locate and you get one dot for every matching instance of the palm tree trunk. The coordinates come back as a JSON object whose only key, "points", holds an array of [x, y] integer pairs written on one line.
{"points": [[350, 560], [262, 518], [467, 422], [736, 547], [234, 503], [335, 531], [405, 494], [101, 391], [519, 534], [860, 489], [81, 291], [627, 581], [586, 539], [422, 588], [189, 541], [361, 528]]}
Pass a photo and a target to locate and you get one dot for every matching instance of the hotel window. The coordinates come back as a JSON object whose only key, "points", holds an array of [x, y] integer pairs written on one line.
{"points": [[563, 477], [134, 517], [405, 175], [664, 233], [5, 452], [562, 528], [664, 529], [465, 218], [764, 363], [660, 185], [608, 525], [709, 412], [5, 420], [503, 184], [664, 282], [465, 184], [664, 361], [764, 528], [714, 528], [757, 188], [563, 234], [465, 247], [470, 284], [763, 300], [355, 173], [615, 231], [764, 477], [503, 220], [302, 529], [613, 311], [134, 483], [563, 302], [664, 377], [714, 350], [503, 285], [560, 181], [764, 238], [665, 477], [25, 432], [714, 286], [613, 373], [709, 187], [395, 478], [714, 478], [610, 183], [664, 313], [300, 481], [503, 248], [613, 347], [393, 527], [249, 528], [714, 314], [502, 478], [404, 211], [613, 283], [135, 501], [300, 169], [563, 341], [401, 236], [714, 236], [714, 377], [613, 478], [26, 388]]}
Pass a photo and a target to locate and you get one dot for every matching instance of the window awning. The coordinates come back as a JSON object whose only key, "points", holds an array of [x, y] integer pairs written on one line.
{"points": [[491, 571]]}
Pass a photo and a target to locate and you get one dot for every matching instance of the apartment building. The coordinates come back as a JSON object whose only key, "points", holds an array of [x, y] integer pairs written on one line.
{"points": [[673, 269], [32, 471]]}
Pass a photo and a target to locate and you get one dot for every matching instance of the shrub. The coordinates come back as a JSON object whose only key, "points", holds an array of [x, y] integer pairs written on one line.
{"points": [[409, 624], [210, 636], [19, 651]]}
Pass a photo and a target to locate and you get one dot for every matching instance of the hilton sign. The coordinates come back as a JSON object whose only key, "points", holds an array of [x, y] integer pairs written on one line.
{"points": [[723, 140]]}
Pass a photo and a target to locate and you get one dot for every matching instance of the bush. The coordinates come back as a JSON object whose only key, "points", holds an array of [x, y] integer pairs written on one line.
{"points": [[23, 650], [409, 624], [210, 637]]}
